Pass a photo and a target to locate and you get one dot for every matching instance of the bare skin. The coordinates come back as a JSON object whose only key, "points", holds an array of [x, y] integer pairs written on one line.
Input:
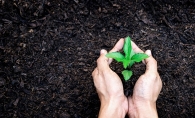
{"points": [[114, 104]]}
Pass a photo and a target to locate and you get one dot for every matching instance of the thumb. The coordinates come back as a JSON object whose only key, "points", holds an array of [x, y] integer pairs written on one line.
{"points": [[151, 64], [102, 62]]}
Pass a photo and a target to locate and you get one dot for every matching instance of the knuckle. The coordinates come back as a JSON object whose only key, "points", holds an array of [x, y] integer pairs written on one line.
{"points": [[100, 59], [154, 60], [93, 73]]}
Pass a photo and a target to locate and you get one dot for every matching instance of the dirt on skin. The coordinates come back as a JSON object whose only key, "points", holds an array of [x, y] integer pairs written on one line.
{"points": [[48, 50]]}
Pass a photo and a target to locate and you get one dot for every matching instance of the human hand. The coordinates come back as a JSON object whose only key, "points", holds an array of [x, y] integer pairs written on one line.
{"points": [[110, 90], [146, 90], [109, 87]]}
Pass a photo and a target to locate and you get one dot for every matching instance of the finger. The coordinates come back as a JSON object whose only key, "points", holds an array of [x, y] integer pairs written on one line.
{"points": [[151, 64], [136, 49], [118, 46], [102, 62]]}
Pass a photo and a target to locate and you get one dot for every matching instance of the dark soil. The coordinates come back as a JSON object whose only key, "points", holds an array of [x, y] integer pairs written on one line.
{"points": [[49, 49]]}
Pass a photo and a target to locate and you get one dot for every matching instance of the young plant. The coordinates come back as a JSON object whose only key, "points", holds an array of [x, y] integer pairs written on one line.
{"points": [[128, 59]]}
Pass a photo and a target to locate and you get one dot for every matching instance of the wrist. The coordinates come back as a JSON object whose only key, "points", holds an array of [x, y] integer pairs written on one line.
{"points": [[113, 108], [144, 109], [148, 111]]}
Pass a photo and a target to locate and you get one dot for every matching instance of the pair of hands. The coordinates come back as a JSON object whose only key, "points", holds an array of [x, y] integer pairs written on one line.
{"points": [[114, 104]]}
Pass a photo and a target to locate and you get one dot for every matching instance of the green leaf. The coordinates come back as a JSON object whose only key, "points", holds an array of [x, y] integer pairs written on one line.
{"points": [[127, 74], [127, 47], [131, 63], [126, 63], [132, 53], [139, 57], [116, 55]]}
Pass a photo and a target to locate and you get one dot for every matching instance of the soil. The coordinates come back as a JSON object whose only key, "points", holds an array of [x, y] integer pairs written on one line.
{"points": [[48, 50]]}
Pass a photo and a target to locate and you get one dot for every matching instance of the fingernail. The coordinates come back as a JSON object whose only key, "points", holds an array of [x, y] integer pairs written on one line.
{"points": [[102, 51], [148, 52]]}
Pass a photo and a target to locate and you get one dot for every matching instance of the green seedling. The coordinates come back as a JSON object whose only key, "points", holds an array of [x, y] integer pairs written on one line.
{"points": [[128, 58]]}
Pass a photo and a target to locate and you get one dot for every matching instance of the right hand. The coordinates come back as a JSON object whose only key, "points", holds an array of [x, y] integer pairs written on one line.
{"points": [[146, 90]]}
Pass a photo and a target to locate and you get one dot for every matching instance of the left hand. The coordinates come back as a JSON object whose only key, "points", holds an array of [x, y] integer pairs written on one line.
{"points": [[109, 87]]}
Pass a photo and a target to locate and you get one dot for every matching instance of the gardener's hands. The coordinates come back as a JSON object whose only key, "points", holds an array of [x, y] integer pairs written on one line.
{"points": [[109, 87], [110, 90]]}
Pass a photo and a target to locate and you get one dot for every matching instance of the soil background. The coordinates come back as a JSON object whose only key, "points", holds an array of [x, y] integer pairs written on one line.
{"points": [[48, 50]]}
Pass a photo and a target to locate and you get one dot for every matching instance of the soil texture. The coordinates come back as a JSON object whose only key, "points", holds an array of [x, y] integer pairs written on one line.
{"points": [[49, 48]]}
